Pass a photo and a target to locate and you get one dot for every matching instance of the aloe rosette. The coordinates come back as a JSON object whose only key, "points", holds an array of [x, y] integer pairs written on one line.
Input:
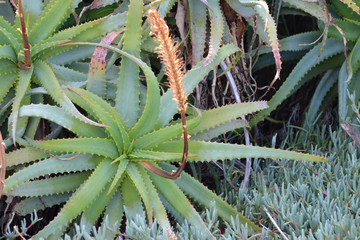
{"points": [[32, 59], [104, 171]]}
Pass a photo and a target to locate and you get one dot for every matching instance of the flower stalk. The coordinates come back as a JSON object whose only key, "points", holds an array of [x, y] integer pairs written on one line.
{"points": [[169, 54]]}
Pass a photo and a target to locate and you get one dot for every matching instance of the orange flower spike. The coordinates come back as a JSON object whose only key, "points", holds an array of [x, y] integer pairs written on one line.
{"points": [[169, 54]]}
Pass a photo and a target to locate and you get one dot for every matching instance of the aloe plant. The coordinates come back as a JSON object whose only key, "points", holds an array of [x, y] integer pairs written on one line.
{"points": [[118, 169], [326, 57], [27, 57]]}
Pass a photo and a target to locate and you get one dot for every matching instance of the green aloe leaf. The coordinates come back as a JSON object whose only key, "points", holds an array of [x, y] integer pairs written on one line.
{"points": [[49, 166], [164, 134], [59, 116], [107, 115], [98, 146], [80, 200], [6, 82], [201, 194], [29, 205], [24, 155], [180, 203], [54, 14], [49, 186], [7, 52], [211, 151], [309, 61], [127, 95], [22, 87], [49, 81], [218, 116], [197, 25]]}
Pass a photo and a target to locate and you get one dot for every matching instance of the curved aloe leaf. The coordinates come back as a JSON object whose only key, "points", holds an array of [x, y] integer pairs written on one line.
{"points": [[49, 166], [29, 205], [54, 14], [309, 61], [80, 201], [23, 84], [97, 146], [197, 25], [326, 83], [49, 186], [217, 116], [7, 52], [178, 200], [59, 116], [127, 95], [96, 81], [201, 194], [211, 151], [221, 129], [24, 155], [48, 79]]}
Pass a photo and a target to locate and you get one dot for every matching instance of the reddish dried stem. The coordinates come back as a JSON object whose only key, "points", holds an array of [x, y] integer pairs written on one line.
{"points": [[27, 63]]}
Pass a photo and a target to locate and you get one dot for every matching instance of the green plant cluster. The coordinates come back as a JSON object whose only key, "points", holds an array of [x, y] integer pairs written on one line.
{"points": [[87, 77]]}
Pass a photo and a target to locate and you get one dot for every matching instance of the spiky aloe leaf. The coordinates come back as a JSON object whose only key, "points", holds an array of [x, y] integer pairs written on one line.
{"points": [[132, 201], [80, 200], [9, 35], [6, 82], [138, 181], [201, 194], [98, 146], [24, 155], [148, 155], [48, 79], [23, 85], [266, 27], [49, 186], [211, 151], [59, 116], [96, 81], [119, 174], [217, 116], [324, 86], [197, 25], [164, 134], [94, 211], [351, 4], [127, 95], [217, 29], [50, 166], [309, 61], [7, 52], [54, 14], [29, 205], [180, 203], [113, 213], [7, 67], [168, 107], [107, 115], [157, 206], [312, 8], [221, 129]]}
